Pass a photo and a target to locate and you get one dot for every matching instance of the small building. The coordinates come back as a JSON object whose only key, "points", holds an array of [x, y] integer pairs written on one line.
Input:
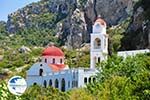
{"points": [[132, 52], [52, 71]]}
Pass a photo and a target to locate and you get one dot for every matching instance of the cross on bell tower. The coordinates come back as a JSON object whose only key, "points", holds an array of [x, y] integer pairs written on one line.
{"points": [[99, 43]]}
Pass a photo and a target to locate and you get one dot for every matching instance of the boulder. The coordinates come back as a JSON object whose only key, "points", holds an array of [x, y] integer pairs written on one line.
{"points": [[24, 49]]}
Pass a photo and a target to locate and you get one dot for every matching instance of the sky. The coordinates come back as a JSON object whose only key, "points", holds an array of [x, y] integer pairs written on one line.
{"points": [[9, 6]]}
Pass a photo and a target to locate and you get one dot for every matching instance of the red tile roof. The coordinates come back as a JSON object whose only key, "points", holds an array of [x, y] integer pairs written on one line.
{"points": [[57, 67]]}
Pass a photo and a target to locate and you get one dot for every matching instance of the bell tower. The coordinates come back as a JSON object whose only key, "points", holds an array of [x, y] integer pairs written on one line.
{"points": [[99, 43]]}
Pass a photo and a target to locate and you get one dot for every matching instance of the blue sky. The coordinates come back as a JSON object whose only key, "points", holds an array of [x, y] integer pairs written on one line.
{"points": [[9, 6]]}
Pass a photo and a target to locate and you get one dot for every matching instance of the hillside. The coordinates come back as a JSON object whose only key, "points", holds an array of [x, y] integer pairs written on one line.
{"points": [[72, 20]]}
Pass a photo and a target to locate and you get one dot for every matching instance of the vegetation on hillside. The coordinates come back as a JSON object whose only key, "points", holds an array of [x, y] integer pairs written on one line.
{"points": [[28, 37], [116, 34], [76, 58], [123, 79]]}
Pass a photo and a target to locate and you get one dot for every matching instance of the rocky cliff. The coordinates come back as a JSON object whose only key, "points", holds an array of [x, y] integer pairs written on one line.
{"points": [[73, 19], [138, 34]]}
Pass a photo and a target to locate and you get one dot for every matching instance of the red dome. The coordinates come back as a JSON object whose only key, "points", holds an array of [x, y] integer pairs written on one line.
{"points": [[101, 21], [52, 51]]}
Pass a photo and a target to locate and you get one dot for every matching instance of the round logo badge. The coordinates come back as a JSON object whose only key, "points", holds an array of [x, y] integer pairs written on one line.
{"points": [[17, 85]]}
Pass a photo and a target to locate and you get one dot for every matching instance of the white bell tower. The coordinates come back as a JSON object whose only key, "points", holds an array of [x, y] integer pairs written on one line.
{"points": [[99, 43]]}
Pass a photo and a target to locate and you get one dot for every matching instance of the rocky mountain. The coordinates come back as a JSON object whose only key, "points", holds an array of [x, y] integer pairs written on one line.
{"points": [[72, 20], [138, 33]]}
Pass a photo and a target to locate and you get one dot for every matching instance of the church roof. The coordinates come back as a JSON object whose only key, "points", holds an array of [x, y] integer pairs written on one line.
{"points": [[100, 21], [52, 51]]}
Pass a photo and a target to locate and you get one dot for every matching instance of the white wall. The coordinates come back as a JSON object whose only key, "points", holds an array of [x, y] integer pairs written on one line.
{"points": [[71, 75], [34, 70], [132, 52]]}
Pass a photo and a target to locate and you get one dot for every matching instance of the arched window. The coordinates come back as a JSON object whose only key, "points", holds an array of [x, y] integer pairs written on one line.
{"points": [[97, 43], [74, 75], [99, 59], [85, 80], [41, 65], [53, 60], [68, 84], [50, 83], [94, 79], [35, 83], [56, 83], [76, 83], [40, 72], [72, 84], [45, 60], [63, 85], [45, 83], [90, 80], [61, 61]]}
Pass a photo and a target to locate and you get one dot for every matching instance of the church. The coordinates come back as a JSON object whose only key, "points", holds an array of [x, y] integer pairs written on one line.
{"points": [[52, 71]]}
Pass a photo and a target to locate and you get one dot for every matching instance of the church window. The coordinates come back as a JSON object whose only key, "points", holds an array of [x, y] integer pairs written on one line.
{"points": [[45, 60], [90, 80], [63, 85], [97, 43], [85, 80], [74, 75], [35, 83], [40, 72], [50, 82], [94, 80], [72, 84], [99, 59], [45, 84], [56, 83], [53, 60], [76, 83], [68, 84], [61, 61]]}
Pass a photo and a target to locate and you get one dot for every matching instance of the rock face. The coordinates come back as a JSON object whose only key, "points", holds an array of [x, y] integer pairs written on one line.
{"points": [[74, 29], [41, 14], [114, 11], [138, 33], [74, 18], [79, 29]]}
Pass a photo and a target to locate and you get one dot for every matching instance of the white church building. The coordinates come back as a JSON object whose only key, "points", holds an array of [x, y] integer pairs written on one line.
{"points": [[52, 71]]}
